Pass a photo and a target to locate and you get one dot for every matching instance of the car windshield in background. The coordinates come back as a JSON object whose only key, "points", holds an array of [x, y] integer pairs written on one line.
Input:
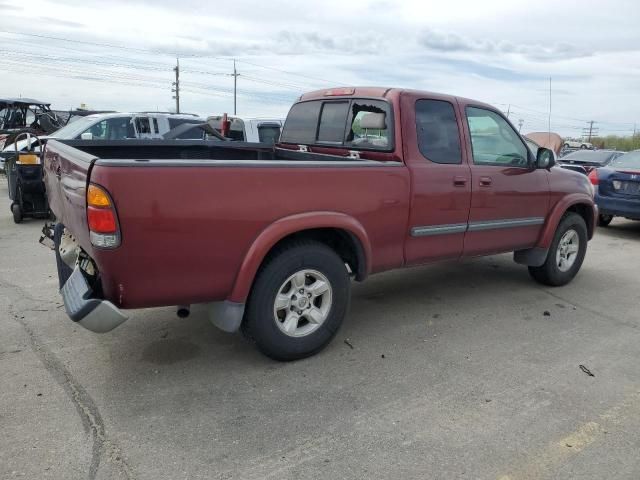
{"points": [[601, 157], [628, 160], [74, 129]]}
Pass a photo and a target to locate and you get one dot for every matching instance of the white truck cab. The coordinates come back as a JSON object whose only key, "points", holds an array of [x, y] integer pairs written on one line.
{"points": [[264, 130]]}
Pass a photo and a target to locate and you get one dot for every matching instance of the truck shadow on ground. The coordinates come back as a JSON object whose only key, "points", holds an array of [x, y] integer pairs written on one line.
{"points": [[431, 288]]}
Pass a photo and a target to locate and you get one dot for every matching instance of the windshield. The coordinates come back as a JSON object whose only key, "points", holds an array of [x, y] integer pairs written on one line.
{"points": [[628, 160], [74, 129]]}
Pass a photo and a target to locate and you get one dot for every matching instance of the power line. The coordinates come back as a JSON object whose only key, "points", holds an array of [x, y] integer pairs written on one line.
{"points": [[84, 42], [160, 52]]}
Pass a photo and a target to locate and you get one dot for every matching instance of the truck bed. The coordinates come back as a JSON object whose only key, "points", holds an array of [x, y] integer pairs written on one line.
{"points": [[189, 211]]}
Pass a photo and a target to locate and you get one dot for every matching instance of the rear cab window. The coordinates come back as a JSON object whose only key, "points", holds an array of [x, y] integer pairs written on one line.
{"points": [[355, 124]]}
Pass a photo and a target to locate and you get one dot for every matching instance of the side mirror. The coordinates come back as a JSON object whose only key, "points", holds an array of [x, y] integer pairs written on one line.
{"points": [[545, 158], [86, 136]]}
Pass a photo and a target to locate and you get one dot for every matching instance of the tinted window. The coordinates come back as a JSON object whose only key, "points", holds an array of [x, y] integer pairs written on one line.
{"points": [[438, 135], [368, 126], [269, 133], [155, 125], [332, 122], [301, 123], [493, 141]]}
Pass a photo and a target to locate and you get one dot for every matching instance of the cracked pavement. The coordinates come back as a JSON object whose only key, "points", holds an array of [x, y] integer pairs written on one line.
{"points": [[455, 372]]}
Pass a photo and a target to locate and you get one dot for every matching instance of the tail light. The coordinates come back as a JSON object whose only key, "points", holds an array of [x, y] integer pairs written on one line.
{"points": [[593, 176], [104, 231]]}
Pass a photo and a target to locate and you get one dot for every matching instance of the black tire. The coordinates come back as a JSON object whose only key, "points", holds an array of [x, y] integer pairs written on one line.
{"points": [[583, 146], [64, 270], [604, 220], [549, 273], [17, 213], [259, 322]]}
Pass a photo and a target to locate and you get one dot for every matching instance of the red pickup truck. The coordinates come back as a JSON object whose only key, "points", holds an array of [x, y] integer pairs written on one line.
{"points": [[363, 180]]}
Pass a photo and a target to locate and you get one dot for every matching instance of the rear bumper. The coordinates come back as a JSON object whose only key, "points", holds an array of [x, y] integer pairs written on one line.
{"points": [[622, 207], [99, 316]]}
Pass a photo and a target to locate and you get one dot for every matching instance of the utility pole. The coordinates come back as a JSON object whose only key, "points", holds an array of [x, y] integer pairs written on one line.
{"points": [[520, 123], [549, 125], [589, 131], [508, 110], [176, 85], [235, 86]]}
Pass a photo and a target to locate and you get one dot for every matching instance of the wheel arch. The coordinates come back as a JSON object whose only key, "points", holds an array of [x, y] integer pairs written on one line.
{"points": [[343, 233], [582, 204]]}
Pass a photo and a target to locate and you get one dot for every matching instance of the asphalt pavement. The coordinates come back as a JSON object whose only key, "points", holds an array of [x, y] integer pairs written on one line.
{"points": [[452, 371]]}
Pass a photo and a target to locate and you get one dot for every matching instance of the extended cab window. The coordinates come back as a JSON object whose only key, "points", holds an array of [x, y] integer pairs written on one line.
{"points": [[368, 126], [438, 134], [493, 141]]}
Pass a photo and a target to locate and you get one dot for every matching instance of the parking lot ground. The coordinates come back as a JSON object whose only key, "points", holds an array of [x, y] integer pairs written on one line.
{"points": [[457, 370]]}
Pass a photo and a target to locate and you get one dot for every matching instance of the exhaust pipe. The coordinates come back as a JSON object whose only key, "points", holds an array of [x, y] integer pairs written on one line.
{"points": [[183, 311]]}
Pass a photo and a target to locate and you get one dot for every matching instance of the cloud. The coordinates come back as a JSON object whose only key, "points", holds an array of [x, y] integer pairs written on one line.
{"points": [[487, 50], [452, 42], [290, 42]]}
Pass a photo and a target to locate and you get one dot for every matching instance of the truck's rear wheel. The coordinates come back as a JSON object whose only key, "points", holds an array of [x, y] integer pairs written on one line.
{"points": [[566, 254], [298, 302]]}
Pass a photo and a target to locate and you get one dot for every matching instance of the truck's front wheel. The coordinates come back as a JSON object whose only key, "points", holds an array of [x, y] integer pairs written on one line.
{"points": [[298, 301], [566, 254]]}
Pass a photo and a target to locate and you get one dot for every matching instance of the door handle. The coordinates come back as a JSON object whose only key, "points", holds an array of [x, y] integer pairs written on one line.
{"points": [[485, 181], [459, 181]]}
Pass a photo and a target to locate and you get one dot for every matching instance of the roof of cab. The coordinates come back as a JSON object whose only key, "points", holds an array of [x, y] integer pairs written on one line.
{"points": [[382, 92]]}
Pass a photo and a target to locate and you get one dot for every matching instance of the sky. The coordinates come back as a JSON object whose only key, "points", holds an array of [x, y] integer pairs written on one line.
{"points": [[120, 55]]}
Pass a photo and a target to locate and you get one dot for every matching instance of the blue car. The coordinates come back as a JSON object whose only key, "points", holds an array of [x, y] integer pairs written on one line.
{"points": [[617, 188]]}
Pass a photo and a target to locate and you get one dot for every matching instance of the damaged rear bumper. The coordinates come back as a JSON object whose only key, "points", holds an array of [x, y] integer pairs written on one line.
{"points": [[99, 316]]}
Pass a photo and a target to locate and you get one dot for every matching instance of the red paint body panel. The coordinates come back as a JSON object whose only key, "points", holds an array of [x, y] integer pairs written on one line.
{"points": [[198, 233], [188, 230], [435, 199]]}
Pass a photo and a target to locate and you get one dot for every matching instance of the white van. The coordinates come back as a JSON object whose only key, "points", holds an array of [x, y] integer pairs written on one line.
{"points": [[265, 130]]}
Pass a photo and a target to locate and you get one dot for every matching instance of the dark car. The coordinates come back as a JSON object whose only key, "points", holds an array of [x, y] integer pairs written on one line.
{"points": [[584, 161], [618, 188]]}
